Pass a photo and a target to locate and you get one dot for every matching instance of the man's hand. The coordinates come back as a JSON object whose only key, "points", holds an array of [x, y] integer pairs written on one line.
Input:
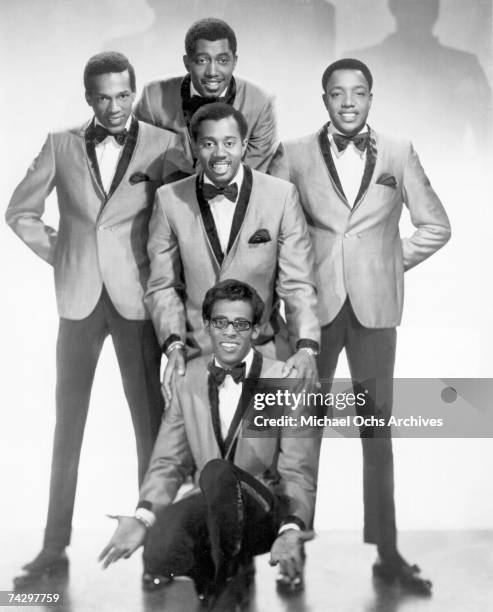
{"points": [[302, 365], [288, 551], [129, 535], [176, 363]]}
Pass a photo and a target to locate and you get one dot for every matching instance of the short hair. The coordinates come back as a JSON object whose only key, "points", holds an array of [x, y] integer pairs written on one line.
{"points": [[106, 62], [233, 290], [215, 111], [347, 63], [209, 29]]}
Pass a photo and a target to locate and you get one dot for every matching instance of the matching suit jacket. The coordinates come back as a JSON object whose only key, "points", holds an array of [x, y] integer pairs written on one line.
{"points": [[359, 252], [288, 466], [161, 105], [101, 238], [269, 248]]}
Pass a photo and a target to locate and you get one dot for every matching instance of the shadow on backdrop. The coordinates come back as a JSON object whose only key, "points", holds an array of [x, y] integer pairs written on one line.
{"points": [[275, 40], [442, 93]]}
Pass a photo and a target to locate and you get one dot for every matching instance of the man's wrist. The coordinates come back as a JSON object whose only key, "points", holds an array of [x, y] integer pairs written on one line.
{"points": [[173, 340], [145, 516], [309, 346]]}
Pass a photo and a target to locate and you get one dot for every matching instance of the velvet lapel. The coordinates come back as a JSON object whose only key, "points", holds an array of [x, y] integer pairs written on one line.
{"points": [[126, 156], [323, 141], [241, 206], [91, 156], [371, 160], [231, 441], [208, 220], [214, 405]]}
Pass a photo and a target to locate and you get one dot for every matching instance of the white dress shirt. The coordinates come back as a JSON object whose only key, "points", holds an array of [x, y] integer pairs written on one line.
{"points": [[108, 153], [229, 394], [223, 210], [350, 165]]}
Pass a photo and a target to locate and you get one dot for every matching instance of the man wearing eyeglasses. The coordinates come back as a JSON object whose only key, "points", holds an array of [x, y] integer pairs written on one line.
{"points": [[253, 494], [230, 222]]}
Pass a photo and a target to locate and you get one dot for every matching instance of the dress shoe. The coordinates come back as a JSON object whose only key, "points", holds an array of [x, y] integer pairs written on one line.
{"points": [[47, 563], [154, 582], [407, 576]]}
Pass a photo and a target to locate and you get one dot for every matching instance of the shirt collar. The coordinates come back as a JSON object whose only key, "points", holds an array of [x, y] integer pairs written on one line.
{"points": [[248, 361], [238, 178], [332, 130]]}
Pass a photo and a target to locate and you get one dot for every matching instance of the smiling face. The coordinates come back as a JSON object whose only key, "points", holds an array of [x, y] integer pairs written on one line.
{"points": [[230, 347], [220, 148], [348, 100], [211, 66], [111, 98]]}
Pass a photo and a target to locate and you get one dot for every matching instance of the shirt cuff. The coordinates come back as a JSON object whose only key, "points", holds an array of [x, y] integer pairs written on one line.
{"points": [[288, 526], [307, 343], [146, 517], [291, 522]]}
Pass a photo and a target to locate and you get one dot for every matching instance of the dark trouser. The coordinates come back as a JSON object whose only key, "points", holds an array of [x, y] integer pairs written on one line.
{"points": [[371, 357], [78, 347], [233, 517]]}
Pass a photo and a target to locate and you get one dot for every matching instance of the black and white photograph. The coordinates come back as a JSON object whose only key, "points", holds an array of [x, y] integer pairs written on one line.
{"points": [[246, 318]]}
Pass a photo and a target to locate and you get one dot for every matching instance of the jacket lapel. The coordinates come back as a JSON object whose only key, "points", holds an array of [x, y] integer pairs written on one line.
{"points": [[231, 441], [91, 157], [126, 156], [208, 221], [323, 141], [371, 160], [241, 207]]}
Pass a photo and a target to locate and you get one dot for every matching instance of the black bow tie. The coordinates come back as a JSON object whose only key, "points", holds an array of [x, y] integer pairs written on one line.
{"points": [[359, 140], [218, 374], [211, 191], [195, 102], [100, 133]]}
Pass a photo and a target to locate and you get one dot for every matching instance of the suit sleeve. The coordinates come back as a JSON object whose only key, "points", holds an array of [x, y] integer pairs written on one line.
{"points": [[295, 278], [279, 165], [27, 205], [427, 214], [165, 287], [171, 460], [143, 109], [263, 141], [298, 467], [175, 163]]}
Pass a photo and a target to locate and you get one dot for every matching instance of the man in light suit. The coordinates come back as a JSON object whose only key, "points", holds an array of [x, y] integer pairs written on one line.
{"points": [[353, 184], [105, 174], [210, 60], [252, 494], [230, 222]]}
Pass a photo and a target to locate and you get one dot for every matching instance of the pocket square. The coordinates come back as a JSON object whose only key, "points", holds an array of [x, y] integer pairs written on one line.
{"points": [[138, 177], [261, 235], [387, 179]]}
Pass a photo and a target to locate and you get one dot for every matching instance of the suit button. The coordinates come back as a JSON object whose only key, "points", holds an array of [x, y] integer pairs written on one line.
{"points": [[101, 228], [347, 235]]}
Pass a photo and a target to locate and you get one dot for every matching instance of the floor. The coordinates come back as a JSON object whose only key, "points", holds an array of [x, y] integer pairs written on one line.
{"points": [[338, 577]]}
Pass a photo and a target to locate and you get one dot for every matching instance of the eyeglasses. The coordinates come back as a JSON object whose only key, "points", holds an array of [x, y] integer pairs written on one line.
{"points": [[238, 324]]}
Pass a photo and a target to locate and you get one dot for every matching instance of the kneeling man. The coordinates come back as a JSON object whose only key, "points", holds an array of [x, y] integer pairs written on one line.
{"points": [[253, 494]]}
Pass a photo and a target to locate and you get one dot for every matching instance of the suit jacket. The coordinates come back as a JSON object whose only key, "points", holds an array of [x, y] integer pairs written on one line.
{"points": [[161, 105], [186, 442], [101, 238], [269, 249], [358, 251]]}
